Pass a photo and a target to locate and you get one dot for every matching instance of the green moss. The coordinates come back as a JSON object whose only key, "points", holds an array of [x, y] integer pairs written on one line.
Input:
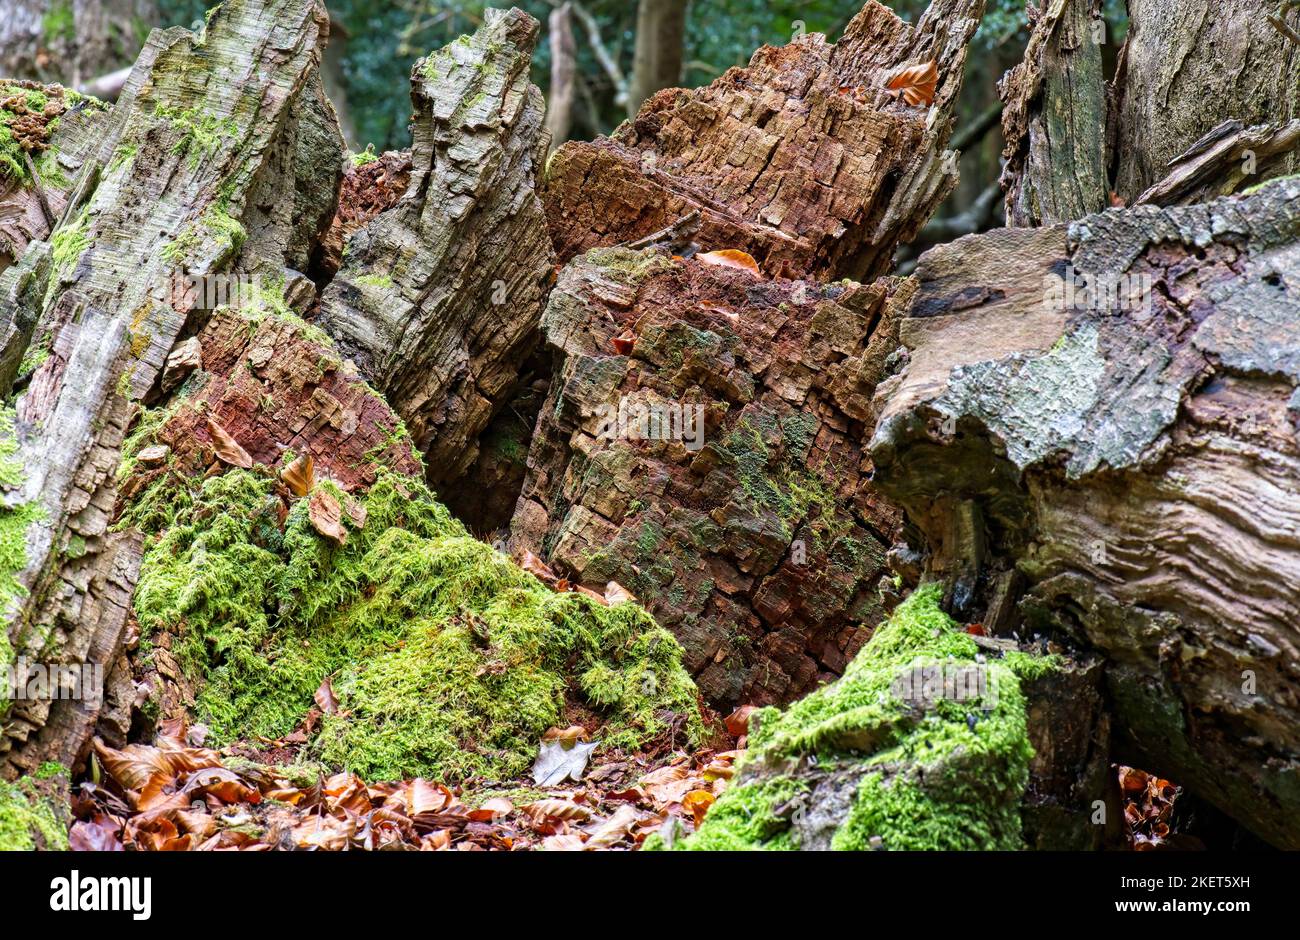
{"points": [[29, 820], [382, 281], [938, 772], [365, 157], [201, 133], [67, 245], [446, 658], [14, 523], [59, 22], [123, 155]]}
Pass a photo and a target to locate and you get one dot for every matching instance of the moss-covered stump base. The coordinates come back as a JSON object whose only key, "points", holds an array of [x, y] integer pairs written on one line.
{"points": [[921, 745], [443, 658], [34, 812]]}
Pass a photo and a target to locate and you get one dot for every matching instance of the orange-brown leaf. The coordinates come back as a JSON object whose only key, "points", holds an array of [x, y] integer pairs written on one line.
{"points": [[917, 83], [697, 803], [738, 721], [227, 448], [732, 258], [300, 476]]}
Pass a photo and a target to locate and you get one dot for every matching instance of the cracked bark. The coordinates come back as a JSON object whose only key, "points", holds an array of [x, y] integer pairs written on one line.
{"points": [[762, 545], [801, 159]]}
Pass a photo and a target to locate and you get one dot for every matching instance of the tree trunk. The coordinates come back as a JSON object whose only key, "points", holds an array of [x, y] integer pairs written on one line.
{"points": [[439, 298], [71, 41], [660, 42], [715, 469], [1129, 452], [564, 65], [176, 168], [1054, 119], [1187, 66]]}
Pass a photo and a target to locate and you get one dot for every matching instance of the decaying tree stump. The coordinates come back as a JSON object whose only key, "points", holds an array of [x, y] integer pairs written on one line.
{"points": [[1054, 117], [439, 297], [1109, 411], [165, 190], [803, 159], [712, 463]]}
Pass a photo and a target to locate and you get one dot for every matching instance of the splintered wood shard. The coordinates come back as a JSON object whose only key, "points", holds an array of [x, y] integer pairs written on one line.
{"points": [[439, 297]]}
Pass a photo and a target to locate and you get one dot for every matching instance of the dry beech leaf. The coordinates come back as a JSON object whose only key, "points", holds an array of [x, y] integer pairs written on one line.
{"points": [[491, 809], [917, 83], [326, 516], [738, 721], [624, 342], [566, 842], [227, 448], [731, 258], [325, 699], [566, 736], [697, 803], [613, 830], [300, 476], [534, 566]]}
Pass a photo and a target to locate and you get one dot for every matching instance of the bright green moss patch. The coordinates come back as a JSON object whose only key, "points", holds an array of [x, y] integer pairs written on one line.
{"points": [[446, 659], [200, 134], [28, 819], [883, 758]]}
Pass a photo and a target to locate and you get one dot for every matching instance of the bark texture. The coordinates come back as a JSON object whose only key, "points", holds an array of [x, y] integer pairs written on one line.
{"points": [[1054, 119], [167, 187], [1189, 65], [803, 159], [756, 539], [439, 298], [1134, 461]]}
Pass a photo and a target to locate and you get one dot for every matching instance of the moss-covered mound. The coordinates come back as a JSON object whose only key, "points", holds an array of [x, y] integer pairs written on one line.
{"points": [[33, 812], [446, 658], [886, 757]]}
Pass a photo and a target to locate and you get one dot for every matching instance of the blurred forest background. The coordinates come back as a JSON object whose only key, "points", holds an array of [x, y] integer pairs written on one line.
{"points": [[621, 51]]}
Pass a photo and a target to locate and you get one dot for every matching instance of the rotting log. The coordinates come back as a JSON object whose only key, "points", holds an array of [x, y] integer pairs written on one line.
{"points": [[166, 186], [712, 464], [803, 159], [439, 297], [1109, 411]]}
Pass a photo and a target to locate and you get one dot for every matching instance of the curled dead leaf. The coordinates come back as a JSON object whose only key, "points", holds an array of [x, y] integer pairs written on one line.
{"points": [[916, 83], [697, 803], [325, 699], [738, 721], [624, 342], [227, 448], [300, 476], [615, 593], [732, 258]]}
